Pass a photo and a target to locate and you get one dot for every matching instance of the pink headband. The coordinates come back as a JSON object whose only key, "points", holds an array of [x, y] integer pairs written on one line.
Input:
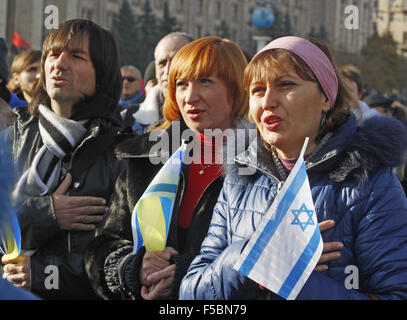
{"points": [[314, 57]]}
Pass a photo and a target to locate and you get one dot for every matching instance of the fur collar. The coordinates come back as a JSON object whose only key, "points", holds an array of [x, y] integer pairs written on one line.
{"points": [[351, 153], [380, 142]]}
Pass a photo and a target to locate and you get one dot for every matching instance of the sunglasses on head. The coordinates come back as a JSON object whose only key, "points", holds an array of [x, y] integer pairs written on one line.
{"points": [[129, 79]]}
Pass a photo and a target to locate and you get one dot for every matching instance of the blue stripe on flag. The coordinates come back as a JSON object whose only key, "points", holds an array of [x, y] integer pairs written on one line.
{"points": [[272, 225], [166, 205], [301, 265], [16, 230], [162, 187], [140, 241]]}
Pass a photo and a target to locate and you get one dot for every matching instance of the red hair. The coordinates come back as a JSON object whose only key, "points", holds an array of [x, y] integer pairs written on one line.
{"points": [[201, 58]]}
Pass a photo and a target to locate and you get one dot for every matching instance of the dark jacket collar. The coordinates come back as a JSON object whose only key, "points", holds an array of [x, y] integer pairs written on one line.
{"points": [[141, 146], [99, 106]]}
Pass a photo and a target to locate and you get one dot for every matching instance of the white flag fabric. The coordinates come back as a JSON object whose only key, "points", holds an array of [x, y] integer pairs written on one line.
{"points": [[285, 248]]}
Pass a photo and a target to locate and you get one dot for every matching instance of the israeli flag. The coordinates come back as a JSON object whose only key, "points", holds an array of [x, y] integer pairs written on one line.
{"points": [[152, 214], [287, 245]]}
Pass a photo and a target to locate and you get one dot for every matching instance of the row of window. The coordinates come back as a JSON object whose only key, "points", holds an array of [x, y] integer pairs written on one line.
{"points": [[392, 17], [87, 13], [214, 5], [399, 3], [199, 32]]}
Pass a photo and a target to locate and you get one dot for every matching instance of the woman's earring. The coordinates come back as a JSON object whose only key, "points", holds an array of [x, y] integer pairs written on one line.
{"points": [[323, 120], [325, 113]]}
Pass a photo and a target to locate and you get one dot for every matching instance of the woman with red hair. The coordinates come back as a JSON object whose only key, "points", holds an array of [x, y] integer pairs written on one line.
{"points": [[205, 91], [206, 100]]}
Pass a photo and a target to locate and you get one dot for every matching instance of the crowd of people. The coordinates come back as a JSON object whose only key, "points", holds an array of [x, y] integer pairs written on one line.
{"points": [[79, 127]]}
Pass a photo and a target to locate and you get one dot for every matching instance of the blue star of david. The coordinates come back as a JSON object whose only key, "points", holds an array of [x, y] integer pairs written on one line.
{"points": [[302, 224]]}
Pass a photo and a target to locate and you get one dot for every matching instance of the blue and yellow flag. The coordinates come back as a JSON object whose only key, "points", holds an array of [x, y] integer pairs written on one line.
{"points": [[10, 236], [152, 214]]}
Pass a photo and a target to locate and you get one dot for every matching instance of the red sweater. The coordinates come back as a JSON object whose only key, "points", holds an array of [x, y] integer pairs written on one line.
{"points": [[200, 175]]}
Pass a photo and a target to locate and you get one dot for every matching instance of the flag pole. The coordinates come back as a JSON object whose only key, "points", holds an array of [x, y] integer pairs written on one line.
{"points": [[304, 147]]}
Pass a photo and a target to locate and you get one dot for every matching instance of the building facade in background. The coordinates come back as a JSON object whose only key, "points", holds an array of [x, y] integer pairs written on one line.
{"points": [[391, 15], [206, 17], [336, 18]]}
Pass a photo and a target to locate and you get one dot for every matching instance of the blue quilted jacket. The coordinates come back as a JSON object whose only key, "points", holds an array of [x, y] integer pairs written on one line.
{"points": [[352, 183]]}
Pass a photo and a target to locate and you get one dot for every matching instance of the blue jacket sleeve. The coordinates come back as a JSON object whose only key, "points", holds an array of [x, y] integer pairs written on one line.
{"points": [[380, 247], [381, 242], [321, 287], [211, 275], [377, 242], [10, 292]]}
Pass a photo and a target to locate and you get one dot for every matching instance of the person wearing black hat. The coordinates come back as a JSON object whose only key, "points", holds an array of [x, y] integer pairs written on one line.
{"points": [[381, 104], [353, 80], [150, 80]]}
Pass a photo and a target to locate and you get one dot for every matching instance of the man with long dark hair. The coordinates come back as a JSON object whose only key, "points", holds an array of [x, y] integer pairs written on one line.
{"points": [[64, 151]]}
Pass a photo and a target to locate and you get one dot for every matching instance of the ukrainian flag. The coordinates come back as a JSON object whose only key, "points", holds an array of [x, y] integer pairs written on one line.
{"points": [[151, 216], [10, 235]]}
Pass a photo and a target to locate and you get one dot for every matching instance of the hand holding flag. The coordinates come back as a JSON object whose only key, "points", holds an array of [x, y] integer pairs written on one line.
{"points": [[151, 216], [287, 245]]}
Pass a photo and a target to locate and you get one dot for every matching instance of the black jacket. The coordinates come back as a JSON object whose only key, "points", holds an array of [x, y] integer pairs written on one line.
{"points": [[114, 238], [95, 170]]}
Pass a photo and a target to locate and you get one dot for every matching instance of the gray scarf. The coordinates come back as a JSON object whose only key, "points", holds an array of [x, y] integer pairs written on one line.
{"points": [[60, 137]]}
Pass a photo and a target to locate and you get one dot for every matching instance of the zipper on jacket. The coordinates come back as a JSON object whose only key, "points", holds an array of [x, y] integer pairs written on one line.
{"points": [[68, 238], [334, 154], [94, 134], [69, 242], [279, 182], [140, 156], [181, 195]]}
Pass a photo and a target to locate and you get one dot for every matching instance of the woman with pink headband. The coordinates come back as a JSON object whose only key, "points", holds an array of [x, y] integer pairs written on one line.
{"points": [[295, 92]]}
